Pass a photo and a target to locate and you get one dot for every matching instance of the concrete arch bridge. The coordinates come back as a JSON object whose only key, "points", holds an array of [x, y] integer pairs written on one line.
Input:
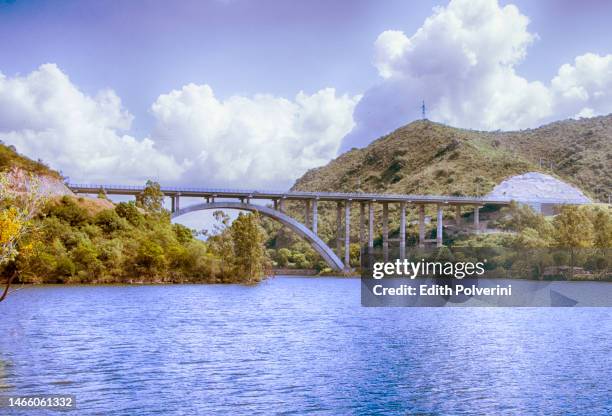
{"points": [[215, 199]]}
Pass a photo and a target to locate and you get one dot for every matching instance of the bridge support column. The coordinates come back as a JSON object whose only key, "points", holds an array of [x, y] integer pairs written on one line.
{"points": [[458, 215], [172, 205], [439, 224], [477, 219], [339, 229], [371, 227], [421, 226], [385, 227], [176, 203], [347, 235], [307, 213], [361, 224], [281, 205], [276, 204], [361, 230], [315, 216], [402, 230]]}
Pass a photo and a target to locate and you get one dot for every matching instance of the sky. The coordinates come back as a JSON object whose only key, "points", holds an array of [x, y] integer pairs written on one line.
{"points": [[245, 93]]}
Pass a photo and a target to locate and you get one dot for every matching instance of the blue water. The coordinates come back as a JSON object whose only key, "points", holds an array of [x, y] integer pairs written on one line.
{"points": [[298, 346]]}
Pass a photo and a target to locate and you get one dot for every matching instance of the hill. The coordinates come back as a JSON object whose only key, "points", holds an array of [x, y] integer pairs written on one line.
{"points": [[424, 157], [10, 159]]}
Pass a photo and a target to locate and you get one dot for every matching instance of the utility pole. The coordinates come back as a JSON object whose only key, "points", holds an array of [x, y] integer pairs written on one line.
{"points": [[423, 112]]}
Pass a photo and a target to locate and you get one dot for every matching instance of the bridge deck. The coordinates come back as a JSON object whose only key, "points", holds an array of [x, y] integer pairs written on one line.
{"points": [[289, 195]]}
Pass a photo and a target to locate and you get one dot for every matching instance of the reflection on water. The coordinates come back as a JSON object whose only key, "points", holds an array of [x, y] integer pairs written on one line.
{"points": [[298, 345]]}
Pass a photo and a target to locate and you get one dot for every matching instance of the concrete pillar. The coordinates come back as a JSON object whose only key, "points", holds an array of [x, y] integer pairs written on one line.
{"points": [[371, 227], [385, 227], [339, 228], [440, 229], [173, 204], [177, 205], [402, 230], [281, 205], [307, 213], [458, 215], [477, 219], [315, 216], [347, 234], [421, 226], [361, 224], [276, 204]]}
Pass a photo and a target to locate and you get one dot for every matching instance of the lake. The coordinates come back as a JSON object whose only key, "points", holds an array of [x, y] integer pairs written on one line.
{"points": [[295, 345]]}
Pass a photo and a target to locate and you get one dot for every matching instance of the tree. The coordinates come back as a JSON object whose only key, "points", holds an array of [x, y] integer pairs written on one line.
{"points": [[573, 230], [151, 199], [249, 251], [221, 242], [18, 206], [602, 227]]}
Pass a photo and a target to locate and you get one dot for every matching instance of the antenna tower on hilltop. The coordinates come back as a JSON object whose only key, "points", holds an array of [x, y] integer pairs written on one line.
{"points": [[423, 112]]}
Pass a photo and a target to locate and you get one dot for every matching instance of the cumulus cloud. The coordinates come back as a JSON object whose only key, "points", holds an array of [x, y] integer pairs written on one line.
{"points": [[584, 89], [462, 62], [46, 116], [197, 139], [251, 141]]}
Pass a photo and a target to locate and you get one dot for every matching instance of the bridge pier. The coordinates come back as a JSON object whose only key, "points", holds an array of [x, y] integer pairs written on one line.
{"points": [[440, 229], [174, 203], [361, 224], [315, 216], [281, 205], [371, 227], [347, 234], [385, 231], [307, 213], [477, 219], [421, 226], [402, 230], [339, 228], [458, 215]]}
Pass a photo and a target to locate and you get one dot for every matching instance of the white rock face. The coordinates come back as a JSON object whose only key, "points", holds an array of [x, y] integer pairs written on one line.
{"points": [[20, 181], [538, 187]]}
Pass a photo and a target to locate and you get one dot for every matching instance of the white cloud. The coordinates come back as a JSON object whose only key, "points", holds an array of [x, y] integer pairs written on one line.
{"points": [[462, 62], [198, 139], [584, 89], [46, 116], [251, 141]]}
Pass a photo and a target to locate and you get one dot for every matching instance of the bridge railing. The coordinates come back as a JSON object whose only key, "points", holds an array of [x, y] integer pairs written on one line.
{"points": [[309, 194]]}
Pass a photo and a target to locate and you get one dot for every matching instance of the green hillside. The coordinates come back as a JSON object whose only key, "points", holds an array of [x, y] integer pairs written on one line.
{"points": [[424, 157], [9, 159]]}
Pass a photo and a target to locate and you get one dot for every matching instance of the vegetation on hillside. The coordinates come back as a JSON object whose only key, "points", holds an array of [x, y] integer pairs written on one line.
{"points": [[430, 158], [10, 159], [77, 241], [579, 236]]}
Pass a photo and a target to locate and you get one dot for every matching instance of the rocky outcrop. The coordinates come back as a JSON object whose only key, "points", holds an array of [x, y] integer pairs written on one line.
{"points": [[535, 186], [49, 186]]}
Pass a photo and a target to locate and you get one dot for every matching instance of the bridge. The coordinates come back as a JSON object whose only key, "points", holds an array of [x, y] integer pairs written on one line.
{"points": [[241, 199]]}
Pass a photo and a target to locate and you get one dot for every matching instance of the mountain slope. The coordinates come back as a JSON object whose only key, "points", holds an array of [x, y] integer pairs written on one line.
{"points": [[424, 157]]}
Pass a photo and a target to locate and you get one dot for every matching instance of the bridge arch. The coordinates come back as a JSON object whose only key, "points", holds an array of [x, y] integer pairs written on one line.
{"points": [[319, 245]]}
